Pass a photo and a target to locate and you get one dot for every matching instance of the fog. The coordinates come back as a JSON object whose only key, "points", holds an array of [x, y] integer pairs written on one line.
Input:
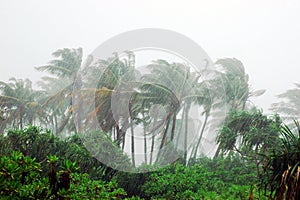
{"points": [[264, 35]]}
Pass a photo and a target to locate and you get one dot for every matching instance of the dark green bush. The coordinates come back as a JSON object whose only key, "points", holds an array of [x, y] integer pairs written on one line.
{"points": [[20, 179]]}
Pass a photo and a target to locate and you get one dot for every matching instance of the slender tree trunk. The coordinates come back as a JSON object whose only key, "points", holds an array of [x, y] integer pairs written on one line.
{"points": [[145, 140], [132, 142], [55, 123], [145, 145], [123, 142], [173, 126], [132, 134], [257, 163], [21, 116], [118, 134], [201, 134], [123, 131], [153, 139], [217, 152], [163, 140], [152, 148], [186, 132], [64, 123], [181, 125]]}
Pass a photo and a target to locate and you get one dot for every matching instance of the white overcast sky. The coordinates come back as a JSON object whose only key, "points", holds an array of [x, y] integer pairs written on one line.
{"points": [[263, 34]]}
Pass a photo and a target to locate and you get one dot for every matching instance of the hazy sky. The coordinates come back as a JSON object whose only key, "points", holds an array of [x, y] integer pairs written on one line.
{"points": [[263, 34]]}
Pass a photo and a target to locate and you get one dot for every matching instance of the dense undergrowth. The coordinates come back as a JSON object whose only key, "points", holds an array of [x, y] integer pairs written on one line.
{"points": [[37, 165]]}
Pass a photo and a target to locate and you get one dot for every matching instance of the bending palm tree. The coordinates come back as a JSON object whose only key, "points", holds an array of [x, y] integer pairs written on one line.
{"points": [[290, 106], [59, 98], [173, 87], [19, 103]]}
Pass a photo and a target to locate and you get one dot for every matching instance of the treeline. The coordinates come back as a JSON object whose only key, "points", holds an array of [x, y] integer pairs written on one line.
{"points": [[161, 101], [94, 111]]}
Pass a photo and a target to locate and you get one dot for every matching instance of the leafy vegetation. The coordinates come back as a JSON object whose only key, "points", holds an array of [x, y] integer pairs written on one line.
{"points": [[20, 179], [50, 148]]}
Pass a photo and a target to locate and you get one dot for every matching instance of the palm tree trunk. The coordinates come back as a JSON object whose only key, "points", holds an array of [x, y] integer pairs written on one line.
{"points": [[21, 116], [64, 123], [145, 145], [55, 123], [152, 148], [153, 138], [173, 126], [181, 125], [217, 152], [186, 132], [163, 140], [145, 140], [201, 134], [132, 134], [132, 142], [117, 128]]}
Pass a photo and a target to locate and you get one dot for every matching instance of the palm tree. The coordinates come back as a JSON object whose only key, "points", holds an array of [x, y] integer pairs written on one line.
{"points": [[234, 83], [289, 107], [207, 101], [19, 103], [173, 86], [59, 85], [114, 110], [250, 134], [282, 171]]}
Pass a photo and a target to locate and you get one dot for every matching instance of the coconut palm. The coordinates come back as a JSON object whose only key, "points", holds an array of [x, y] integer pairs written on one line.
{"points": [[173, 86], [235, 82], [234, 85], [59, 85], [19, 103], [289, 107], [207, 101], [108, 85]]}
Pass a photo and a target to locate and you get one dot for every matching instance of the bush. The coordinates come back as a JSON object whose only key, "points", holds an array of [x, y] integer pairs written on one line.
{"points": [[20, 178]]}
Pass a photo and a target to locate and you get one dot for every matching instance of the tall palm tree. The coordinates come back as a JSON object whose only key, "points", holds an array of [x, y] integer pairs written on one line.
{"points": [[63, 72], [19, 103], [234, 81], [207, 101], [171, 85], [117, 76], [113, 110]]}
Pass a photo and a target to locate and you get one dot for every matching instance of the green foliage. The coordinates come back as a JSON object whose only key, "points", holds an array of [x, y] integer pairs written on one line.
{"points": [[251, 134], [222, 178], [32, 139], [232, 169], [19, 104], [253, 127], [83, 187], [20, 179], [282, 171], [133, 181], [17, 173], [249, 141]]}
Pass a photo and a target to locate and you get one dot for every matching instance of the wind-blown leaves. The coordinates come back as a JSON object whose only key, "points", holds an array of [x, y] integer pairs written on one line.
{"points": [[19, 104], [289, 106]]}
